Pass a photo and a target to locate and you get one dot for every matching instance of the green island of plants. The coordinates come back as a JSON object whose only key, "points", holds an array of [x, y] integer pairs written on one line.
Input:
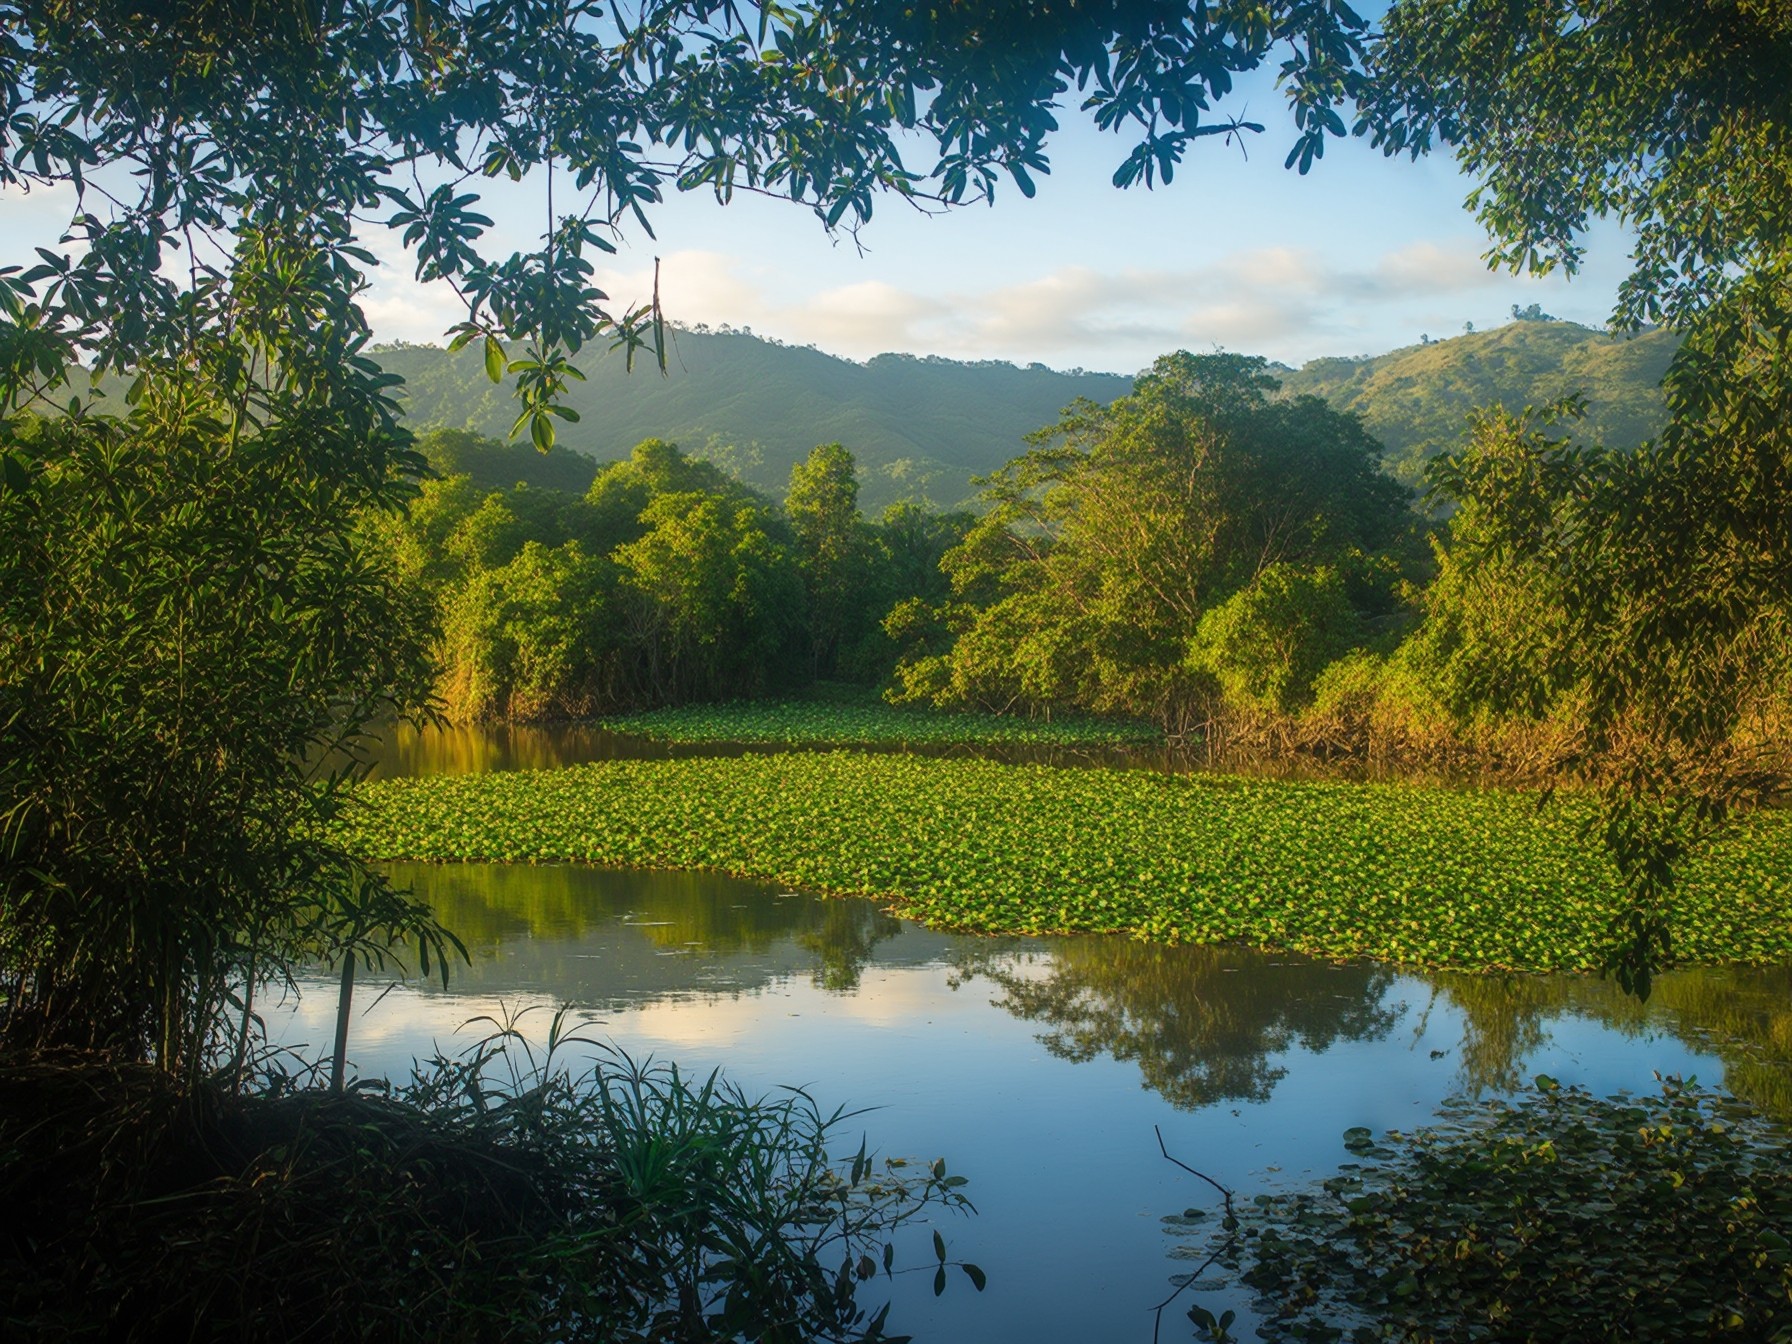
{"points": [[1481, 879], [1556, 1216], [823, 723]]}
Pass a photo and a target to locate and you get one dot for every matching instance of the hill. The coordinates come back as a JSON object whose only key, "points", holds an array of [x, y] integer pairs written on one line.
{"points": [[1416, 400], [920, 428]]}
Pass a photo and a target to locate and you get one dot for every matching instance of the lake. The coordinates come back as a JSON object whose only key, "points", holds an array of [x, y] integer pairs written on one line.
{"points": [[1037, 1068]]}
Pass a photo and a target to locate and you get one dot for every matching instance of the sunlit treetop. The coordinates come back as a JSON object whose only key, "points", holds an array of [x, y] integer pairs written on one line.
{"points": [[229, 158]]}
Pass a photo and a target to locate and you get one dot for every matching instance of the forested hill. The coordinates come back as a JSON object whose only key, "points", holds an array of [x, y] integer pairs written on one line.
{"points": [[920, 428], [1416, 400]]}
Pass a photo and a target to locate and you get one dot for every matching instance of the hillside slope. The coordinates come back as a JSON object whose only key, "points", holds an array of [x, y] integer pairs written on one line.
{"points": [[1416, 400], [920, 428]]}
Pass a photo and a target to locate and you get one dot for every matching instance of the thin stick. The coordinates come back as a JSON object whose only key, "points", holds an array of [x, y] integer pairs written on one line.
{"points": [[344, 1002], [1190, 1170]]}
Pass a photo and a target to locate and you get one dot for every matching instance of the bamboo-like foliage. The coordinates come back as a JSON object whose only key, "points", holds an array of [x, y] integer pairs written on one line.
{"points": [[191, 632]]}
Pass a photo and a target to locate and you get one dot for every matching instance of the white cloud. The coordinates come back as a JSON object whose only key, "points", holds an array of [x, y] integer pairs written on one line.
{"points": [[1289, 303], [1426, 269], [872, 316]]}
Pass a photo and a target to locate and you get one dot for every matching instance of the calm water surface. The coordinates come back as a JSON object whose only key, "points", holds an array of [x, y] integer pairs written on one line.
{"points": [[461, 749], [1038, 1068]]}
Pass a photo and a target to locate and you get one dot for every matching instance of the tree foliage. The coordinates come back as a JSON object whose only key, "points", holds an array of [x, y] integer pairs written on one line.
{"points": [[229, 158], [1675, 119], [1673, 586], [666, 582], [188, 630], [1105, 546]]}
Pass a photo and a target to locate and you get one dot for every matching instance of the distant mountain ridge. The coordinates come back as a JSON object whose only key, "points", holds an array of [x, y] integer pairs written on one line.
{"points": [[922, 427]]}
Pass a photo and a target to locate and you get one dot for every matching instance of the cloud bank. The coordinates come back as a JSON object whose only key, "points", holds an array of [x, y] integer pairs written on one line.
{"points": [[1289, 303]]}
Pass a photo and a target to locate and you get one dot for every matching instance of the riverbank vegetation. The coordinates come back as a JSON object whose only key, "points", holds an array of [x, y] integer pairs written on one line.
{"points": [[853, 721], [1435, 877], [494, 1195]]}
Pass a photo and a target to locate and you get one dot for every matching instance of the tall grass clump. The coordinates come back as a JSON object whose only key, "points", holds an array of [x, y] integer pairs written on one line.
{"points": [[509, 1192]]}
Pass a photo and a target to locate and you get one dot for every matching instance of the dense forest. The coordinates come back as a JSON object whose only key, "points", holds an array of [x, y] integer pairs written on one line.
{"points": [[1214, 553]]}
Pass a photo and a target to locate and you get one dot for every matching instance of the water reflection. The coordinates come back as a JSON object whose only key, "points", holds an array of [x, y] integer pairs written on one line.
{"points": [[603, 938], [450, 749], [471, 749], [1040, 1068], [1200, 1025], [1203, 1024], [1741, 1015]]}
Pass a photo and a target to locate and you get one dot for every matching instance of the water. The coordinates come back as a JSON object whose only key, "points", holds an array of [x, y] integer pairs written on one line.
{"points": [[1039, 1068], [460, 749]]}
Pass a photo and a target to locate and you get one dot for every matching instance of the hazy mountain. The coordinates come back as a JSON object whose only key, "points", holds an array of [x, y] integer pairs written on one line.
{"points": [[1417, 400], [920, 428]]}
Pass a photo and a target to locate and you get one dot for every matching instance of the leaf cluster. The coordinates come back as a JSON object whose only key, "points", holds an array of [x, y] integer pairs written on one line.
{"points": [[1674, 119]]}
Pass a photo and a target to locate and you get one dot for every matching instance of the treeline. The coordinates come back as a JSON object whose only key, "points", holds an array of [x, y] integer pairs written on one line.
{"points": [[662, 580], [1210, 554]]}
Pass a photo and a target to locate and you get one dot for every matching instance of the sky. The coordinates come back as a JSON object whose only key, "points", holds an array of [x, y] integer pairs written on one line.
{"points": [[1362, 255]]}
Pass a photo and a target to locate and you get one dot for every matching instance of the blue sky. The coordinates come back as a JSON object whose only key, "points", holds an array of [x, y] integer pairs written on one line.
{"points": [[1360, 256]]}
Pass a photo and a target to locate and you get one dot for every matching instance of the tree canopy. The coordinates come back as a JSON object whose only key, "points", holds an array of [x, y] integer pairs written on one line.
{"points": [[1103, 548], [1675, 119], [229, 159]]}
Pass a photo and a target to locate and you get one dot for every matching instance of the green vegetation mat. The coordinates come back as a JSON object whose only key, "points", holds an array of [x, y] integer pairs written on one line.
{"points": [[813, 723], [1479, 879]]}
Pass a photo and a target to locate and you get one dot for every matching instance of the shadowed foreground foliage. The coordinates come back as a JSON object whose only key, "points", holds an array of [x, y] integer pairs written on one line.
{"points": [[491, 1198]]}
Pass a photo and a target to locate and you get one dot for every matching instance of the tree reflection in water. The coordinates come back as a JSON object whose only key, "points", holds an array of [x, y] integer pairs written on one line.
{"points": [[1209, 1024], [1204, 1024], [599, 935], [1741, 1014], [844, 938]]}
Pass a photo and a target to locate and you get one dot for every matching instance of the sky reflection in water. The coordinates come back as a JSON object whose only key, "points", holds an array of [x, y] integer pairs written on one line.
{"points": [[1036, 1067]]}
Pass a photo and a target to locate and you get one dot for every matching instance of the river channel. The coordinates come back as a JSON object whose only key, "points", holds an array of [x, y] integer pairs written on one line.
{"points": [[1040, 1069]]}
